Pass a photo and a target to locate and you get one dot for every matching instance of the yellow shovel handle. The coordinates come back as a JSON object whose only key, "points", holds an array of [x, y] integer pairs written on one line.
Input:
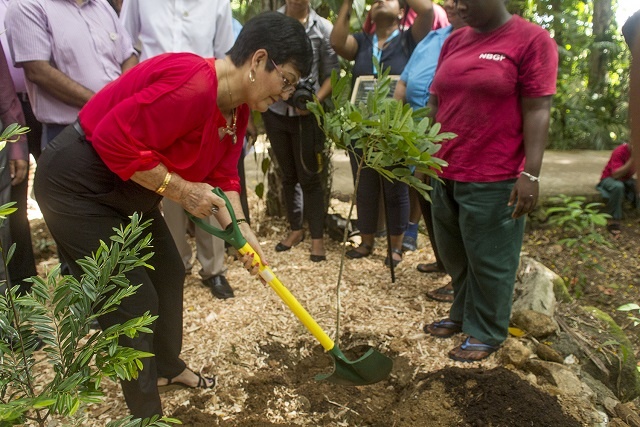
{"points": [[291, 301]]}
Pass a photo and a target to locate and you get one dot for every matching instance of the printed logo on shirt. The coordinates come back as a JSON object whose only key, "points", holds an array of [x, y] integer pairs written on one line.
{"points": [[492, 56]]}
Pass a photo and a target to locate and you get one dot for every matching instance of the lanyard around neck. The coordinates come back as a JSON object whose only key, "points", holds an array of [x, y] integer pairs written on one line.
{"points": [[377, 52]]}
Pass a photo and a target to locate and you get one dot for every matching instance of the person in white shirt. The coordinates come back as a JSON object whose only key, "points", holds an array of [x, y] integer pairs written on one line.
{"points": [[202, 27]]}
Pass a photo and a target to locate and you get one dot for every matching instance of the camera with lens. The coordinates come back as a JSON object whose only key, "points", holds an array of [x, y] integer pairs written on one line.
{"points": [[303, 94]]}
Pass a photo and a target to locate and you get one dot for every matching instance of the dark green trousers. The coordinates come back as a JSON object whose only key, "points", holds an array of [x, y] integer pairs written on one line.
{"points": [[480, 246]]}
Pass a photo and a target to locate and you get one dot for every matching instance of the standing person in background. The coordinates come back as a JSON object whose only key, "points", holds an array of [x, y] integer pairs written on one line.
{"points": [[69, 50], [413, 87], [441, 19], [202, 27], [631, 31], [500, 66], [23, 263], [14, 160], [392, 46], [298, 142]]}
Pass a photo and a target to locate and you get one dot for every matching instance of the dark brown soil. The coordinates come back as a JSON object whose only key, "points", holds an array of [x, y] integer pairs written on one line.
{"points": [[445, 398]]}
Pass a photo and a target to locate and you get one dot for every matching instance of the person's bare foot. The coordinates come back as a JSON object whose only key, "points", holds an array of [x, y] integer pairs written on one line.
{"points": [[442, 294], [293, 239], [472, 350], [317, 247], [317, 250]]}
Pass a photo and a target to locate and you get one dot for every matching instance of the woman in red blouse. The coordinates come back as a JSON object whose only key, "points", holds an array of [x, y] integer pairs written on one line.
{"points": [[172, 126]]}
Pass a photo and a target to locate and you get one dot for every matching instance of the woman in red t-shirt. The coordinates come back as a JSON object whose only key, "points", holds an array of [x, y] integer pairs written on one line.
{"points": [[493, 88], [171, 127]]}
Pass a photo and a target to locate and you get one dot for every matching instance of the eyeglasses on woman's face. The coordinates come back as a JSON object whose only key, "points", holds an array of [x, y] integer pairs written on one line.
{"points": [[287, 86]]}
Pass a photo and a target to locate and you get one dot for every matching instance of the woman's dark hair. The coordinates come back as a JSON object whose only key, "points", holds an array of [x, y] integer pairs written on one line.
{"points": [[283, 37]]}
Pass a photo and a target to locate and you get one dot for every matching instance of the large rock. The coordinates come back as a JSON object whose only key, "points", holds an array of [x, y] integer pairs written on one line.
{"points": [[536, 324], [535, 288], [560, 376], [601, 348], [616, 353]]}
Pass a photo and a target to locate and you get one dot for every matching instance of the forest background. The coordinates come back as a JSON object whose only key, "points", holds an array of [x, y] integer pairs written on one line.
{"points": [[590, 106]]}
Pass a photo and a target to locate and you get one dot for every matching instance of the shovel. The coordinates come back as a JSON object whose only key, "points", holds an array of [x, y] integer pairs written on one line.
{"points": [[371, 368]]}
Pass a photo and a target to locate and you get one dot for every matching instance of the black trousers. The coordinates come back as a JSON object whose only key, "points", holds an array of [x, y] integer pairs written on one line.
{"points": [[370, 186], [296, 142], [81, 201]]}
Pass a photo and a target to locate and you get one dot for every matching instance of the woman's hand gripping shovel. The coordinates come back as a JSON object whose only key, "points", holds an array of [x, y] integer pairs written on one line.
{"points": [[368, 369]]}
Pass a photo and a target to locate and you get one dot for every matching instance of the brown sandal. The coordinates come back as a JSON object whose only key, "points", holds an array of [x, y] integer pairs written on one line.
{"points": [[430, 268], [442, 294], [444, 328]]}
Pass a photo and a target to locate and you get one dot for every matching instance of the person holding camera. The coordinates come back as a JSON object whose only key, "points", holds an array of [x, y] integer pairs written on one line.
{"points": [[392, 46], [296, 139]]}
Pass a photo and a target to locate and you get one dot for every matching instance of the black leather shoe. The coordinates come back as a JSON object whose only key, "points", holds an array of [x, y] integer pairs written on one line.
{"points": [[219, 286]]}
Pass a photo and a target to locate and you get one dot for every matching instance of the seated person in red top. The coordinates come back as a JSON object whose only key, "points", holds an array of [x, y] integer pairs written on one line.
{"points": [[617, 183], [172, 126]]}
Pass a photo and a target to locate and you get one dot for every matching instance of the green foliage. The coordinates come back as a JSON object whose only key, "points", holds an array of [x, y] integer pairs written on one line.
{"points": [[384, 134], [59, 312], [392, 137], [630, 308], [154, 421], [590, 106], [572, 214], [11, 134]]}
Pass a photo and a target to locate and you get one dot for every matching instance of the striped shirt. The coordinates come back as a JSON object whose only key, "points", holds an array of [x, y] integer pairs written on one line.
{"points": [[17, 74], [85, 42]]}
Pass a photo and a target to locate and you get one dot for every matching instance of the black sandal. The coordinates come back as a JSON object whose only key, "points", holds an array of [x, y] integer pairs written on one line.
{"points": [[173, 384], [395, 261], [354, 254]]}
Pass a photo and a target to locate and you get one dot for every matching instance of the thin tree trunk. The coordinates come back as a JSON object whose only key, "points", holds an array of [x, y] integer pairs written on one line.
{"points": [[602, 21]]}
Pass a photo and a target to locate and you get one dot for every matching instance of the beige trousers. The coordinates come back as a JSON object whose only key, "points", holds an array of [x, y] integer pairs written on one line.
{"points": [[210, 250]]}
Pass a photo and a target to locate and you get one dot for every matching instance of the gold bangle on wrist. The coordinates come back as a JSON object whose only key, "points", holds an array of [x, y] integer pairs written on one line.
{"points": [[241, 220], [165, 183]]}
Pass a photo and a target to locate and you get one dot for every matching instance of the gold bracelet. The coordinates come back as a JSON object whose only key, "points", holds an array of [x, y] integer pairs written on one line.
{"points": [[165, 183], [241, 220]]}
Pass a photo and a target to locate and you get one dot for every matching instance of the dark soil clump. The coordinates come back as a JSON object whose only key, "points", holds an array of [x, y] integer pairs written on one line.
{"points": [[445, 398]]}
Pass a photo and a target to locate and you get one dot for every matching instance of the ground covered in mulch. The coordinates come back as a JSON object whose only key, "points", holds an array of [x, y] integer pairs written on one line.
{"points": [[265, 360]]}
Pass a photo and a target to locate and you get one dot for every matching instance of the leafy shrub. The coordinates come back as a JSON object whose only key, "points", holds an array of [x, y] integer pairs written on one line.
{"points": [[58, 312]]}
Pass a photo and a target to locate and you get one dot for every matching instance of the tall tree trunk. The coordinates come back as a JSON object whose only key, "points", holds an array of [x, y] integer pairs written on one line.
{"points": [[602, 22]]}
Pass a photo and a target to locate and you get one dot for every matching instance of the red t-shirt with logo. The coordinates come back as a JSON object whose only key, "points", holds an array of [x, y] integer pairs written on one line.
{"points": [[480, 81]]}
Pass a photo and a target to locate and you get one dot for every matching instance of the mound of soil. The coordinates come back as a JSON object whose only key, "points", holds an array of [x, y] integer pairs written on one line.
{"points": [[449, 397]]}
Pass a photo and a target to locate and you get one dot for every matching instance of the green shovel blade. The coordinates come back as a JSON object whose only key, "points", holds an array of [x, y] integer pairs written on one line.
{"points": [[371, 368]]}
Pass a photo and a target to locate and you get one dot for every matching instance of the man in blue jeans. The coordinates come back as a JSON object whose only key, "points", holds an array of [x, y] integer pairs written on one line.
{"points": [[617, 184]]}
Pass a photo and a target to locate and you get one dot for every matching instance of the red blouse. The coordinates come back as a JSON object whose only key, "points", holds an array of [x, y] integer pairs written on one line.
{"points": [[164, 110]]}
